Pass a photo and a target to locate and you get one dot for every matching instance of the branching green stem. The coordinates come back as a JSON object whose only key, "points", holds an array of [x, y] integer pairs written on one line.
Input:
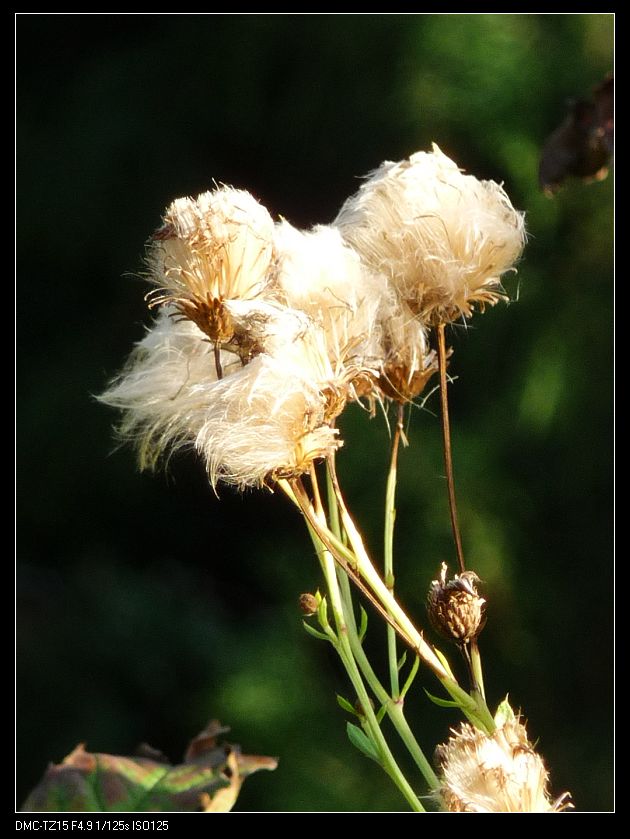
{"points": [[346, 653], [358, 565]]}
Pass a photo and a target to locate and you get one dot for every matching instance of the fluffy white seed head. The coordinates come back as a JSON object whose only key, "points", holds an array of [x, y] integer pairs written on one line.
{"points": [[265, 333], [442, 237], [267, 421], [321, 275], [164, 387], [360, 312], [263, 326], [317, 271], [498, 773], [270, 418], [216, 247]]}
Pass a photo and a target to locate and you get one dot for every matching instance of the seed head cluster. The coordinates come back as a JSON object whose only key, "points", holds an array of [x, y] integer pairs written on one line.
{"points": [[264, 333]]}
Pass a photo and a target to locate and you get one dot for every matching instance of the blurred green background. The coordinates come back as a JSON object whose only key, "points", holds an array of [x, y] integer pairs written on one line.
{"points": [[147, 606]]}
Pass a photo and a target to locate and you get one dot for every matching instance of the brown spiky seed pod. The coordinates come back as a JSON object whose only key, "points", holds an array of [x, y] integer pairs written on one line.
{"points": [[455, 608]]}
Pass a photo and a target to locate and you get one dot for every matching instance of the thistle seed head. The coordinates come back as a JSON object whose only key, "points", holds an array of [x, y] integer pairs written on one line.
{"points": [[455, 608], [494, 773], [441, 237]]}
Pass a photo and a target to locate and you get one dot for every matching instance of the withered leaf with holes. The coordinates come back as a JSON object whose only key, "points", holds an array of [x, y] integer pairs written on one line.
{"points": [[209, 779]]}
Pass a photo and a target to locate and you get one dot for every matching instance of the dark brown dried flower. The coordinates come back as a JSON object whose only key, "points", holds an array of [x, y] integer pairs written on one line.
{"points": [[455, 608]]}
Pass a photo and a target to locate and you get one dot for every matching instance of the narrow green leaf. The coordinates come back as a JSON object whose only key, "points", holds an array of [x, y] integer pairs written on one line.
{"points": [[410, 677], [472, 714], [444, 662], [347, 706], [443, 703], [381, 713], [315, 632], [362, 742], [322, 613], [363, 625], [402, 660]]}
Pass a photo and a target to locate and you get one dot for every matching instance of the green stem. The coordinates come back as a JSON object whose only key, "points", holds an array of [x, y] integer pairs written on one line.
{"points": [[345, 652], [347, 630], [364, 565], [358, 558], [393, 705], [393, 708], [475, 661], [388, 554], [476, 711], [333, 507]]}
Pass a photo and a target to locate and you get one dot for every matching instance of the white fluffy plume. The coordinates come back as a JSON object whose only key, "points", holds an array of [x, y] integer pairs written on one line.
{"points": [[442, 237]]}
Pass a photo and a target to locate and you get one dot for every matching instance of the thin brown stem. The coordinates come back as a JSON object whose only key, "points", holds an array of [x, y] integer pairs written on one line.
{"points": [[398, 432], [217, 360], [448, 456]]}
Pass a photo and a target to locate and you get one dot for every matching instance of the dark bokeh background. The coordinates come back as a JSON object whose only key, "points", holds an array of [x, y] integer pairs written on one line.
{"points": [[146, 605]]}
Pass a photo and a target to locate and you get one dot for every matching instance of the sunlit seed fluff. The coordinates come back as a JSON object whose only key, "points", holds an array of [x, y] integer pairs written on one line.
{"points": [[260, 325], [264, 423], [274, 417], [165, 386], [214, 248], [268, 419], [444, 238], [407, 363], [498, 773], [320, 275], [360, 312]]}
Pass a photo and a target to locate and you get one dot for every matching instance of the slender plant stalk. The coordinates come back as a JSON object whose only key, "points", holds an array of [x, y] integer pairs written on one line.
{"points": [[378, 587], [388, 553], [471, 653], [359, 567], [394, 711], [393, 704], [346, 654], [474, 708], [448, 455]]}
